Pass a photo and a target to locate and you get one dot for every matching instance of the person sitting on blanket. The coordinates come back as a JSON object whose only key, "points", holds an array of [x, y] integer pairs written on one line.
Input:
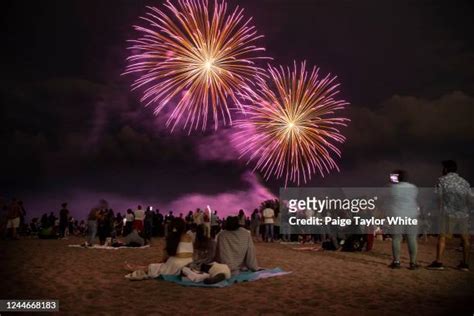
{"points": [[134, 239], [204, 247], [235, 247], [203, 267], [178, 253]]}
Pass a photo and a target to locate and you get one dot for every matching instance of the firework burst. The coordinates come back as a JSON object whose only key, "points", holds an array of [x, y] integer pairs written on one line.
{"points": [[201, 57], [291, 127]]}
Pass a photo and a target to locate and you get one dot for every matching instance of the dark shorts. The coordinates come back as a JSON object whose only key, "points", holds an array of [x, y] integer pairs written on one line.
{"points": [[138, 225], [452, 225]]}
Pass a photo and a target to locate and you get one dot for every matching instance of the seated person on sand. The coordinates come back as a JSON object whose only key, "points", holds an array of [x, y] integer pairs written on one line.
{"points": [[134, 239], [204, 247], [131, 240], [235, 247], [203, 267], [178, 253]]}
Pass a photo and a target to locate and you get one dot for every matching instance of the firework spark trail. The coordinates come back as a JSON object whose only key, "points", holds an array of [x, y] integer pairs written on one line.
{"points": [[205, 58], [291, 125]]}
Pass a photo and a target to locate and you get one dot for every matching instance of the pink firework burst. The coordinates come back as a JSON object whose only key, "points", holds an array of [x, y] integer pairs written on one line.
{"points": [[200, 57], [291, 126]]}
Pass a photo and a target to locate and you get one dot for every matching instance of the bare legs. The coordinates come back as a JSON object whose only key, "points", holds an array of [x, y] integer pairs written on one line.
{"points": [[442, 245], [134, 267]]}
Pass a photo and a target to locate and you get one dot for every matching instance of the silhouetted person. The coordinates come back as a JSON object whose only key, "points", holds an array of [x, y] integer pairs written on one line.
{"points": [[44, 221], [255, 223], [104, 222], [92, 221], [168, 219], [63, 220], [214, 224], [52, 219], [148, 224], [241, 218], [189, 220], [92, 226], [111, 223], [160, 220], [118, 225], [454, 194]]}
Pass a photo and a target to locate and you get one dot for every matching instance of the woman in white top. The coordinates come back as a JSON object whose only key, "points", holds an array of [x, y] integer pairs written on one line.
{"points": [[268, 220], [129, 219], [178, 253]]}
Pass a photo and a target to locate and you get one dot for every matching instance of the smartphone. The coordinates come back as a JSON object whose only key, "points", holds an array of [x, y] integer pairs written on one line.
{"points": [[394, 177]]}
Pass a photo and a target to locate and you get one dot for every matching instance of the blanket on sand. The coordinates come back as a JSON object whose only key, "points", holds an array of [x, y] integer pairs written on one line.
{"points": [[245, 276], [108, 247]]}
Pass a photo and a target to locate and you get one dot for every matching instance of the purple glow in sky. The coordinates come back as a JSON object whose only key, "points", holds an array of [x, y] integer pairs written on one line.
{"points": [[80, 201]]}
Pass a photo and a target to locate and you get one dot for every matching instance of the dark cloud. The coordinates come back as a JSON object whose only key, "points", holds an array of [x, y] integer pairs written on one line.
{"points": [[407, 121], [411, 133], [95, 140]]}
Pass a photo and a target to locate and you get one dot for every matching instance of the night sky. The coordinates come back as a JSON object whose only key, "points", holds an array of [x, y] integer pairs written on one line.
{"points": [[72, 130]]}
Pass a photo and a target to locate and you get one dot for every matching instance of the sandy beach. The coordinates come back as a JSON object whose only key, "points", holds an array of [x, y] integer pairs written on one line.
{"points": [[331, 283]]}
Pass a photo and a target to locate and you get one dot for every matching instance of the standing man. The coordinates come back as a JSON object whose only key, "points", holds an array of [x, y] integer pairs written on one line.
{"points": [[268, 220], [148, 223], [214, 224], [63, 220], [92, 222], [454, 195], [139, 219], [92, 226], [404, 203], [206, 219], [160, 222], [168, 219], [198, 217], [255, 223]]}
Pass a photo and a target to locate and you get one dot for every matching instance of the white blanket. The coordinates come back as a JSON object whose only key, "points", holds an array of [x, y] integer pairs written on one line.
{"points": [[108, 247]]}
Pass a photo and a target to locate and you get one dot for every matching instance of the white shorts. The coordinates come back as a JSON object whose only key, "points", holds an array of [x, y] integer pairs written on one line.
{"points": [[218, 268], [13, 223]]}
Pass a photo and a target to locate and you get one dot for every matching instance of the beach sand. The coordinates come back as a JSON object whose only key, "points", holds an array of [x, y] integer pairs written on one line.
{"points": [[91, 281]]}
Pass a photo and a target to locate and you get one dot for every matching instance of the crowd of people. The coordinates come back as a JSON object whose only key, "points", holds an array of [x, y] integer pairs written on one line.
{"points": [[193, 253], [235, 235], [455, 200]]}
